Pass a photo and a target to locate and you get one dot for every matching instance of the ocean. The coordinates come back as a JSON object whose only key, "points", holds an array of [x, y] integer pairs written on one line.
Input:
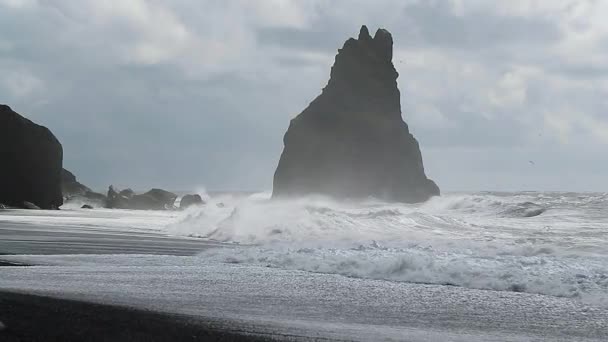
{"points": [[461, 267]]}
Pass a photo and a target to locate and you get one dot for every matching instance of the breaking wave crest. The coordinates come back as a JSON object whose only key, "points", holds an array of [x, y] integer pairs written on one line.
{"points": [[552, 244]]}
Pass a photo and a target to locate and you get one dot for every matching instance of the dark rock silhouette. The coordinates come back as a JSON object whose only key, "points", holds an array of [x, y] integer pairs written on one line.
{"points": [[190, 200], [155, 199], [31, 160], [70, 186], [351, 141], [127, 193], [117, 200], [73, 190], [67, 177]]}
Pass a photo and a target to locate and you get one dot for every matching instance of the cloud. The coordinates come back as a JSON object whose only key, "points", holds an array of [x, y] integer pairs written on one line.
{"points": [[20, 83], [17, 3], [180, 94], [568, 123], [457, 25], [299, 39]]}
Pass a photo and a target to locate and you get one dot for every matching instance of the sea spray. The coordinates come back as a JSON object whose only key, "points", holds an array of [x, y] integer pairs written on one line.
{"points": [[483, 241]]}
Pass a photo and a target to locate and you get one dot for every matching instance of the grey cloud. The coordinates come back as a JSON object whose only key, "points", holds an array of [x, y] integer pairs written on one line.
{"points": [[436, 23], [473, 130], [295, 61], [301, 39], [568, 168], [179, 124], [580, 71], [420, 23]]}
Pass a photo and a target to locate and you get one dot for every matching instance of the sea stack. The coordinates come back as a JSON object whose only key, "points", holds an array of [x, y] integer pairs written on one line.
{"points": [[31, 160], [351, 141]]}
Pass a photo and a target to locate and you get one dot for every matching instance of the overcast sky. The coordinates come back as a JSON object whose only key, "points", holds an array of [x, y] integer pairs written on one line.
{"points": [[187, 93]]}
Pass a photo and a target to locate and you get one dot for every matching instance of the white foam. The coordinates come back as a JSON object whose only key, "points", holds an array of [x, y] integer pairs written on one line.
{"points": [[97, 219], [483, 241]]}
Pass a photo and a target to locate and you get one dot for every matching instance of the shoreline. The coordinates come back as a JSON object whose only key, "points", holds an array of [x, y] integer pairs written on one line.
{"points": [[36, 318], [4, 263]]}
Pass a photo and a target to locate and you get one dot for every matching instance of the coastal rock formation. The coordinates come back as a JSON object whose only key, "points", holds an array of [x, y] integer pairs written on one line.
{"points": [[75, 191], [190, 200], [31, 160], [117, 200], [155, 199], [128, 193], [70, 186], [351, 141]]}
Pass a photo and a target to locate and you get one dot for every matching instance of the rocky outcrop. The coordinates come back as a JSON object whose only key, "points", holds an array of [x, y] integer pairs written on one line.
{"points": [[190, 200], [75, 191], [351, 141], [128, 193], [116, 200], [70, 186], [155, 199], [31, 160]]}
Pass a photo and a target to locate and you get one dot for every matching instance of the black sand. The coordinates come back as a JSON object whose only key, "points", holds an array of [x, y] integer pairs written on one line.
{"points": [[6, 263], [40, 239], [42, 319]]}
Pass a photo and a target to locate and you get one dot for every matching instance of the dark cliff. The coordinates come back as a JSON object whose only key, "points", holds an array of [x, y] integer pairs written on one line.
{"points": [[31, 160]]}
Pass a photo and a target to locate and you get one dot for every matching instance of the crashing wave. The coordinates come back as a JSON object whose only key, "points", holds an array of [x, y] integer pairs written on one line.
{"points": [[525, 209], [484, 241]]}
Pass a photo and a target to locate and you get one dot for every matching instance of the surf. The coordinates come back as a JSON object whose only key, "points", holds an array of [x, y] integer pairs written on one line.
{"points": [[546, 243]]}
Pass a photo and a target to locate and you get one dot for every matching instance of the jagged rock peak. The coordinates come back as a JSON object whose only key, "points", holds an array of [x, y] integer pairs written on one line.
{"points": [[380, 45], [384, 42], [351, 141], [363, 62], [364, 33]]}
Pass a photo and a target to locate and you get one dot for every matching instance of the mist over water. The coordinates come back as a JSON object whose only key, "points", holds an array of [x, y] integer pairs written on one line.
{"points": [[547, 243]]}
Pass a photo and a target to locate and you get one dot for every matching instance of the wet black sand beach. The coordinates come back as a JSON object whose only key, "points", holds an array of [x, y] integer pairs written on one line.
{"points": [[36, 318], [149, 286], [32, 318]]}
